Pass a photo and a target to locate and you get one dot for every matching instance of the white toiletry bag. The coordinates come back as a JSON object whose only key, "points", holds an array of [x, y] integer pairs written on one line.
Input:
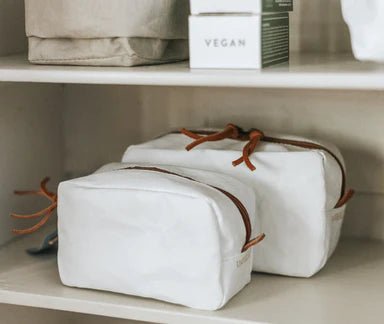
{"points": [[299, 186], [173, 234], [107, 33]]}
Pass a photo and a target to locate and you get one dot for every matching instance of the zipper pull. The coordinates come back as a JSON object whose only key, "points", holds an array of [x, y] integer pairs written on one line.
{"points": [[255, 137], [253, 242], [45, 213], [345, 198], [231, 131]]}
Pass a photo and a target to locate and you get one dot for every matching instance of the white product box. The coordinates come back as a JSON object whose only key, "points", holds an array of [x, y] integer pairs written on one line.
{"points": [[240, 6], [238, 41]]}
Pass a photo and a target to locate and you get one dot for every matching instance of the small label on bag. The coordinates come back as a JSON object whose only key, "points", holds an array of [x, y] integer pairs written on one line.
{"points": [[243, 259]]}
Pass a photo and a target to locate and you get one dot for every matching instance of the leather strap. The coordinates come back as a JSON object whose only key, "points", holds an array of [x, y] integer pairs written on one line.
{"points": [[231, 131], [255, 136], [45, 213]]}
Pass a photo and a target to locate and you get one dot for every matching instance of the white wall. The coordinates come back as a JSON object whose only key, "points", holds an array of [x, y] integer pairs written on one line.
{"points": [[98, 123]]}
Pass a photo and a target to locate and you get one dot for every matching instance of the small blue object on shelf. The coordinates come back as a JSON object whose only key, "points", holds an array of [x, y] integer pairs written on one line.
{"points": [[49, 244]]}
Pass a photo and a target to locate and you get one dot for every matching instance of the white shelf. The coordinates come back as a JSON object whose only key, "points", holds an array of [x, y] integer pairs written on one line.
{"points": [[313, 71], [349, 290]]}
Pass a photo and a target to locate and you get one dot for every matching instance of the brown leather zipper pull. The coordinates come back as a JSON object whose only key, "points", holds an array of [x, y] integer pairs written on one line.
{"points": [[348, 195], [45, 213], [253, 242], [230, 131], [255, 137], [190, 134]]}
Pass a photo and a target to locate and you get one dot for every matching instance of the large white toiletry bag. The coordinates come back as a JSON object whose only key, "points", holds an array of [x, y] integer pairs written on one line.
{"points": [[107, 32], [174, 234], [300, 191]]}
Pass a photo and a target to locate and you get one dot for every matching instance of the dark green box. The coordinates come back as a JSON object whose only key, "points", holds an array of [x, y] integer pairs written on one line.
{"points": [[277, 5], [275, 39]]}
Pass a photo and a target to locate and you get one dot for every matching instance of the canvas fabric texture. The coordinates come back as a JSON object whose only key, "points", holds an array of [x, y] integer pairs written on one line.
{"points": [[107, 33]]}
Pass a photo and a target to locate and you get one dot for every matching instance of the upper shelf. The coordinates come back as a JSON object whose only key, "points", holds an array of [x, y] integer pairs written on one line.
{"points": [[349, 290], [311, 71]]}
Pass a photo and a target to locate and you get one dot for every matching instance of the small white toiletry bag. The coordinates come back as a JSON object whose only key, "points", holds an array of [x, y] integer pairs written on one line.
{"points": [[107, 33], [300, 187], [173, 234]]}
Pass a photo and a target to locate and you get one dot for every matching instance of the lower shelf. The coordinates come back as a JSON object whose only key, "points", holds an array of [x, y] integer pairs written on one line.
{"points": [[349, 290]]}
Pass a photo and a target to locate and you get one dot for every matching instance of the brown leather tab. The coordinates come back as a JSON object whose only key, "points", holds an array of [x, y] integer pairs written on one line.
{"points": [[348, 195], [45, 213], [253, 242], [36, 227], [190, 134]]}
